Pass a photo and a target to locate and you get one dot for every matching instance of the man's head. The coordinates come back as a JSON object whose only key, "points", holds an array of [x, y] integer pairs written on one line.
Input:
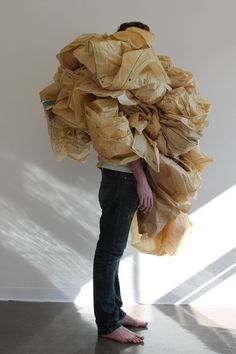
{"points": [[141, 25]]}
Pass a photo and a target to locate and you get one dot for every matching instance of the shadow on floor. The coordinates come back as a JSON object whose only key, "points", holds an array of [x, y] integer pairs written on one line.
{"points": [[60, 328]]}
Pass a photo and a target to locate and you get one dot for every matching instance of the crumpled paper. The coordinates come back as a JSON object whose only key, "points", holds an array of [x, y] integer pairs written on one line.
{"points": [[116, 93]]}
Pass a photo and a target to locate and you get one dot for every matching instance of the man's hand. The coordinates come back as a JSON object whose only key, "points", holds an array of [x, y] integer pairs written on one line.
{"points": [[143, 189], [145, 195]]}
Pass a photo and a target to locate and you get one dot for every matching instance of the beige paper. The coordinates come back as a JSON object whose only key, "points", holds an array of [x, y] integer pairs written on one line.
{"points": [[116, 93]]}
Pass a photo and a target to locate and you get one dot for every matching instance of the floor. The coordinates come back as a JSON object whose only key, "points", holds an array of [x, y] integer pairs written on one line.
{"points": [[56, 328]]}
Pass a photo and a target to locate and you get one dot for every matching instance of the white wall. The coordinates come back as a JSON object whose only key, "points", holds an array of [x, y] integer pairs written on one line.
{"points": [[49, 209]]}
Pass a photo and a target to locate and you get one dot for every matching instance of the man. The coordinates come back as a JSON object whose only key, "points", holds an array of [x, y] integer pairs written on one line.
{"points": [[123, 189]]}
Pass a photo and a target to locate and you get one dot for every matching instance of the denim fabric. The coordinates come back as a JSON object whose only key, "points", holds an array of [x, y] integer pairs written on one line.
{"points": [[118, 199]]}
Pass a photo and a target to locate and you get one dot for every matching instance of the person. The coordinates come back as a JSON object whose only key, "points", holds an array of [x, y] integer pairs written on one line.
{"points": [[123, 190]]}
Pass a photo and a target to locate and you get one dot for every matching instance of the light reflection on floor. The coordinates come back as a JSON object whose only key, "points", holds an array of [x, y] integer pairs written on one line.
{"points": [[60, 328]]}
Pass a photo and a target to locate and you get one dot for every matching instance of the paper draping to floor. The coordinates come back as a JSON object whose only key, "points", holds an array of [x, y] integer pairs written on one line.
{"points": [[116, 93]]}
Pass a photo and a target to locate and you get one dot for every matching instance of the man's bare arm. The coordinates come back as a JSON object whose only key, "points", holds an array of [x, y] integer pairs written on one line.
{"points": [[143, 189]]}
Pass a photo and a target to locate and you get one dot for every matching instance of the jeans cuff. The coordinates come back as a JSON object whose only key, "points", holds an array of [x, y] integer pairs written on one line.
{"points": [[122, 314]]}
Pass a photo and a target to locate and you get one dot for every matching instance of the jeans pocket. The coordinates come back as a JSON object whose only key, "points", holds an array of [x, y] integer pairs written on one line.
{"points": [[106, 192]]}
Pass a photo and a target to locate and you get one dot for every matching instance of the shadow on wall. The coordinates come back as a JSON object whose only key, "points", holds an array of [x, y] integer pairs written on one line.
{"points": [[49, 224], [203, 281], [52, 224]]}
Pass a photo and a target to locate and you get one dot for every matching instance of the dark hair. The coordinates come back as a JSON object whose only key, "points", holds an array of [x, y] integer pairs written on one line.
{"points": [[141, 25]]}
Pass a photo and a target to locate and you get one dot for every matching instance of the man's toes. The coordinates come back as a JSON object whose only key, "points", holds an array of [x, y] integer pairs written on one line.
{"points": [[138, 340], [135, 339], [141, 323], [124, 335]]}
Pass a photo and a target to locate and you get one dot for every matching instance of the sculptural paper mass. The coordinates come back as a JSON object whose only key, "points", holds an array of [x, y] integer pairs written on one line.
{"points": [[116, 93]]}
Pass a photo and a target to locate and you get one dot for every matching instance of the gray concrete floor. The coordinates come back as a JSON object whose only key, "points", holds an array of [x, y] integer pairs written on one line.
{"points": [[56, 328]]}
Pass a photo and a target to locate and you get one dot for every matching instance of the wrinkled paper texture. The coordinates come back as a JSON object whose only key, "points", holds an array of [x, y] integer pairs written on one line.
{"points": [[115, 92]]}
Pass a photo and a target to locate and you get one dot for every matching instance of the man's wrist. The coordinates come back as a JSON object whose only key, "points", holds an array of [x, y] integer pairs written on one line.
{"points": [[137, 169]]}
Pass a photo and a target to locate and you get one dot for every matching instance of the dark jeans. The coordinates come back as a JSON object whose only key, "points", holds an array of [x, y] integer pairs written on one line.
{"points": [[118, 199]]}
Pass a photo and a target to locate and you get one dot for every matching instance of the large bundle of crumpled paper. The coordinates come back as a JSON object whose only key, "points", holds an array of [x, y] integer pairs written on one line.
{"points": [[116, 93]]}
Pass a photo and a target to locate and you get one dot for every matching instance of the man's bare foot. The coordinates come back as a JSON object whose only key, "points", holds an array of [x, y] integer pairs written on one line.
{"points": [[130, 321], [124, 335]]}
